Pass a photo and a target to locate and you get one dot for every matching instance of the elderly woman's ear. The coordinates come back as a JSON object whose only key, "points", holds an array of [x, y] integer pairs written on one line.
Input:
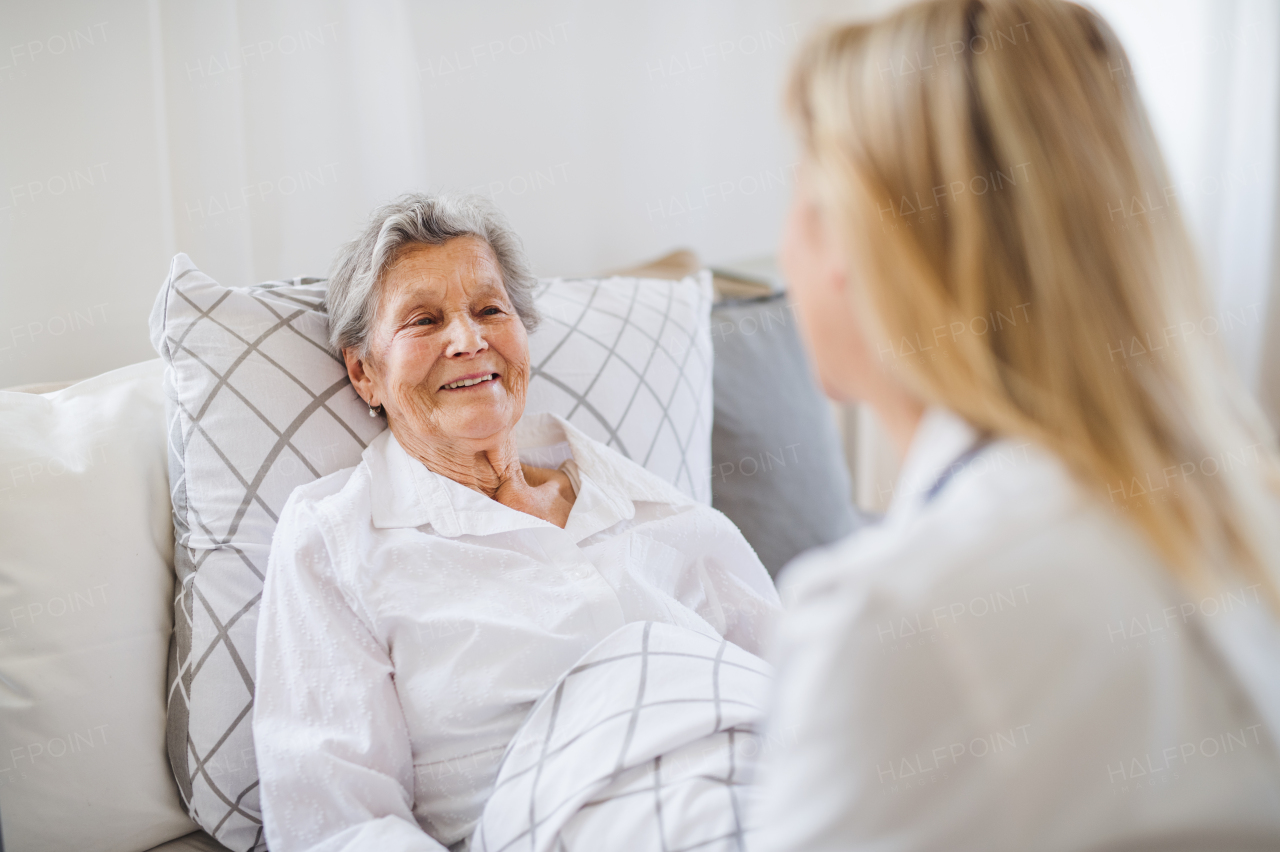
{"points": [[360, 378]]}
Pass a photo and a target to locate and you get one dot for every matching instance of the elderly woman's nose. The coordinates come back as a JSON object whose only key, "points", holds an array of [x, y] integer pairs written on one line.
{"points": [[464, 336]]}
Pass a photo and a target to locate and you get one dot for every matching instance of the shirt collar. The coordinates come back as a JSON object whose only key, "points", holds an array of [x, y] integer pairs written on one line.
{"points": [[406, 493], [940, 439]]}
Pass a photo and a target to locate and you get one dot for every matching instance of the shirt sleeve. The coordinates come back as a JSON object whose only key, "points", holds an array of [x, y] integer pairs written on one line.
{"points": [[729, 587], [334, 758]]}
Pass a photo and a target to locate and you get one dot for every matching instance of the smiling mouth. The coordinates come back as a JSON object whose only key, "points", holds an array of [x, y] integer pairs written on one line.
{"points": [[469, 383]]}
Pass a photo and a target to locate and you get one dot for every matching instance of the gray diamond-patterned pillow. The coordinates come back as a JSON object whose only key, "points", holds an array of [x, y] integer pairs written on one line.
{"points": [[628, 361], [257, 407]]}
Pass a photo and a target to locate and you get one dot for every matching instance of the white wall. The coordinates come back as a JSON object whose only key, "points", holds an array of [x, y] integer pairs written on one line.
{"points": [[255, 136], [82, 224]]}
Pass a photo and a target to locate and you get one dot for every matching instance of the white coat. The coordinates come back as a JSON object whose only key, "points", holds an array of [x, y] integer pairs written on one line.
{"points": [[1004, 664]]}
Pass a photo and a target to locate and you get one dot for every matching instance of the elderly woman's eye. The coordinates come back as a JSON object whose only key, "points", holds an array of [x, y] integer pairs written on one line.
{"points": [[423, 320], [491, 311]]}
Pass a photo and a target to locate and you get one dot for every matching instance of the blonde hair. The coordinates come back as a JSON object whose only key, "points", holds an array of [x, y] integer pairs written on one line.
{"points": [[972, 156]]}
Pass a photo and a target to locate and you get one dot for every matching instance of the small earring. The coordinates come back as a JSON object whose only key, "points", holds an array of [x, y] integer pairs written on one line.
{"points": [[372, 411]]}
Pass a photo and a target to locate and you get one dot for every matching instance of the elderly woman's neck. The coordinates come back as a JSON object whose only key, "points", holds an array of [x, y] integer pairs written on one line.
{"points": [[488, 467]]}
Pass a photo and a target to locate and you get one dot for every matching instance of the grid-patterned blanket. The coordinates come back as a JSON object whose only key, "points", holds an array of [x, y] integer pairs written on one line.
{"points": [[646, 744]]}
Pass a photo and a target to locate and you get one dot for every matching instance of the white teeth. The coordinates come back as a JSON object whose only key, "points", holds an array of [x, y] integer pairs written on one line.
{"points": [[466, 383]]}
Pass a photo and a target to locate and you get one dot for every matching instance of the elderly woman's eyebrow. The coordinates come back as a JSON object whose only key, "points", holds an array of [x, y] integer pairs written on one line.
{"points": [[410, 299], [413, 298]]}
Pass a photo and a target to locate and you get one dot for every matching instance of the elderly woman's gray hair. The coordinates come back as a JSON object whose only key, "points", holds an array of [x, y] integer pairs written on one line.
{"points": [[355, 285]]}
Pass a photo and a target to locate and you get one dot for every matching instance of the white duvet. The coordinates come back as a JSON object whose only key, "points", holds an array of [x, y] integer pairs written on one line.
{"points": [[647, 743]]}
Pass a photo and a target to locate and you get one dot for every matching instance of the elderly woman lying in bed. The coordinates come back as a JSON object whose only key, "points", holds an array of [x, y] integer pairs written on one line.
{"points": [[418, 604]]}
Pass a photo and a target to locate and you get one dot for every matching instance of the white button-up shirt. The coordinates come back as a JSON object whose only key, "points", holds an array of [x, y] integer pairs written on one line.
{"points": [[1006, 665], [408, 623]]}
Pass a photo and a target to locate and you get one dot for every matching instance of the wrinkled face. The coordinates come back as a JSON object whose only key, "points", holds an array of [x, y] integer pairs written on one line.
{"points": [[449, 357]]}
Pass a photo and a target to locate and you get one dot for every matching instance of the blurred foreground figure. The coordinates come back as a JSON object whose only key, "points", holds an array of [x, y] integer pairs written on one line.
{"points": [[1063, 636]]}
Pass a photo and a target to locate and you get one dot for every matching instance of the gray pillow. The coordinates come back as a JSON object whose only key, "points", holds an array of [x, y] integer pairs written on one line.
{"points": [[778, 469]]}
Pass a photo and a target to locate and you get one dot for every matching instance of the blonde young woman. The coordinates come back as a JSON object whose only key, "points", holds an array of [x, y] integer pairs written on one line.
{"points": [[1063, 636]]}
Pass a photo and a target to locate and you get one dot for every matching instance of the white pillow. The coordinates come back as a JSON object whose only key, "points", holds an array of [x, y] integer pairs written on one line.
{"points": [[86, 609], [260, 407], [628, 361]]}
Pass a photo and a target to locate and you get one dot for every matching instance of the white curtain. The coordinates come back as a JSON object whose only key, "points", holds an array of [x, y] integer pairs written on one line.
{"points": [[1209, 71], [588, 123]]}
